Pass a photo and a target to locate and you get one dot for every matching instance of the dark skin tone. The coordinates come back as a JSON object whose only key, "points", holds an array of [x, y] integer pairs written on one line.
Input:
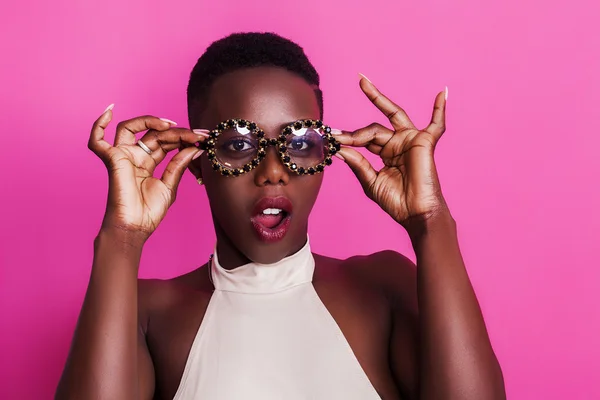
{"points": [[417, 332], [253, 94]]}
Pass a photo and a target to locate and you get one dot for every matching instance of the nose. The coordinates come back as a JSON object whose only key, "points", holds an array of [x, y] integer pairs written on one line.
{"points": [[271, 170]]}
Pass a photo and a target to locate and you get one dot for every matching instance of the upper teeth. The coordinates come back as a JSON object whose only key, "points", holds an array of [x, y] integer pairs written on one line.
{"points": [[271, 211]]}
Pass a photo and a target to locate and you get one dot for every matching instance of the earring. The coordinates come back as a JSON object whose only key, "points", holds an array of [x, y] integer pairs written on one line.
{"points": [[199, 180]]}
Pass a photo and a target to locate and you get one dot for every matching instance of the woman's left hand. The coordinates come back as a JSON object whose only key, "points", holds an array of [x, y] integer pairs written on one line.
{"points": [[407, 187]]}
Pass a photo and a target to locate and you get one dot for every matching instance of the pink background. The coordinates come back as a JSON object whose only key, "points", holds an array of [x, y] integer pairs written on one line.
{"points": [[518, 163]]}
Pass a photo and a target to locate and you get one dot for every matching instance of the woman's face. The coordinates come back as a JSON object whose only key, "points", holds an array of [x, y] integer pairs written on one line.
{"points": [[272, 98]]}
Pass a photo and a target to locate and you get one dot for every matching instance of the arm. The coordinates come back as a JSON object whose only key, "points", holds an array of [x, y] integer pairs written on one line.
{"points": [[109, 358], [439, 347], [456, 359]]}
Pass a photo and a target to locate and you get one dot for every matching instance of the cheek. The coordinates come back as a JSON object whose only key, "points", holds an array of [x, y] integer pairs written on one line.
{"points": [[226, 194], [307, 190]]}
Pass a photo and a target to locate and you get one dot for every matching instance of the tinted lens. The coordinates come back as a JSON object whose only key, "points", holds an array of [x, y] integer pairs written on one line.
{"points": [[306, 147], [236, 147]]}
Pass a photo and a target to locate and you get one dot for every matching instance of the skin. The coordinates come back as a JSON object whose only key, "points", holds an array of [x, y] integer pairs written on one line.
{"points": [[418, 333]]}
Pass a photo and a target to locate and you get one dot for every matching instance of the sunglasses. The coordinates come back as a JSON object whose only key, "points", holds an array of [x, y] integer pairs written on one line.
{"points": [[237, 146]]}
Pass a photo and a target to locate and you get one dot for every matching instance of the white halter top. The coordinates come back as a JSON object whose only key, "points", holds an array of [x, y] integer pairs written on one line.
{"points": [[266, 335]]}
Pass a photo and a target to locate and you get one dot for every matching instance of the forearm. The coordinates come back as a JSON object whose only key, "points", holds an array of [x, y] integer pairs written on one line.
{"points": [[102, 362], [456, 360]]}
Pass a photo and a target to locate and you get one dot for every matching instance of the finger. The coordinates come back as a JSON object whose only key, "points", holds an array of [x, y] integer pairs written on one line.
{"points": [[176, 167], [361, 167], [163, 142], [437, 127], [392, 111], [126, 130], [96, 143], [374, 134], [375, 149]]}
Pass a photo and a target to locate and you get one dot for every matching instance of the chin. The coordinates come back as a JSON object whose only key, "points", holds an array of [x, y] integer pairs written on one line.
{"points": [[270, 250]]}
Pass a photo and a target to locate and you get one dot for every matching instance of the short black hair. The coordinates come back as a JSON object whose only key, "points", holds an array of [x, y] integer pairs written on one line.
{"points": [[247, 50]]}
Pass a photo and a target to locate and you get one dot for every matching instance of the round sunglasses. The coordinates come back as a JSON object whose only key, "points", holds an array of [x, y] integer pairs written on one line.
{"points": [[237, 146]]}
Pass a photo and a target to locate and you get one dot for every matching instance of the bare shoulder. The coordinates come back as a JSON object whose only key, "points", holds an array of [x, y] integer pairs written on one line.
{"points": [[389, 272], [162, 295], [154, 296]]}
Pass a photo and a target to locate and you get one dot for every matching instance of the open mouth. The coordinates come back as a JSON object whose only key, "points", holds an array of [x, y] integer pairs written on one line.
{"points": [[272, 218]]}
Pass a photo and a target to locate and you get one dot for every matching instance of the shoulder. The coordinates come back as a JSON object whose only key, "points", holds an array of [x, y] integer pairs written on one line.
{"points": [[388, 272], [154, 295], [162, 295], [156, 292]]}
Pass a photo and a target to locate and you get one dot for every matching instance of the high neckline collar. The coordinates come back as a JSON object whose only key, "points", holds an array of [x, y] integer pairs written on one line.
{"points": [[258, 278]]}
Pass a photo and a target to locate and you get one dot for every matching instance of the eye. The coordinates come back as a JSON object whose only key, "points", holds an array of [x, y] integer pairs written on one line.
{"points": [[299, 144], [238, 145]]}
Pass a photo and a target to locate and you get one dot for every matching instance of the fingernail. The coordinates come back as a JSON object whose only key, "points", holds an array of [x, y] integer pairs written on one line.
{"points": [[336, 132], [109, 108], [446, 94], [202, 132], [198, 154], [365, 77], [341, 157], [169, 121]]}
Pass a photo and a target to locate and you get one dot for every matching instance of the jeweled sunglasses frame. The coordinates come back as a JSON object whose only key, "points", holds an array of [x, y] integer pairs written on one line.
{"points": [[333, 146]]}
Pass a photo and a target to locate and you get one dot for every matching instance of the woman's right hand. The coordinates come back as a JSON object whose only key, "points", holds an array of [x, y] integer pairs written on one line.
{"points": [[137, 201]]}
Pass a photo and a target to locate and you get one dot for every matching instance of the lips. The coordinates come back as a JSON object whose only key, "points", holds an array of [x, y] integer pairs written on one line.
{"points": [[273, 226], [269, 221]]}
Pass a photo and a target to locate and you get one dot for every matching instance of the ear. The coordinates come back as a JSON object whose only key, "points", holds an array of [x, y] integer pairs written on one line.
{"points": [[195, 169]]}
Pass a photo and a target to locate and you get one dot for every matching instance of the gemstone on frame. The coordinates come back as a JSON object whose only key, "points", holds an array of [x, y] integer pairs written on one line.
{"points": [[300, 163]]}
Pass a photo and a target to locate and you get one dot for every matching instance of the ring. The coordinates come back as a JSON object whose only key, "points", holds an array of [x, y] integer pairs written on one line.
{"points": [[144, 147]]}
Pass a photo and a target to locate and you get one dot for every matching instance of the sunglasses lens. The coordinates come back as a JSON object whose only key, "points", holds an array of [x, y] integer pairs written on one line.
{"points": [[236, 147], [306, 147]]}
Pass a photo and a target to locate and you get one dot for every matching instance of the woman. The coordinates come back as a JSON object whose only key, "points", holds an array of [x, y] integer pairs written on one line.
{"points": [[265, 318]]}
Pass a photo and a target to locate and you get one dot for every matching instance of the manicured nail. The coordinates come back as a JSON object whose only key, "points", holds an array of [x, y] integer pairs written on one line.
{"points": [[365, 77], [169, 121], [446, 94], [336, 132], [198, 154], [341, 157], [201, 132], [109, 108]]}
